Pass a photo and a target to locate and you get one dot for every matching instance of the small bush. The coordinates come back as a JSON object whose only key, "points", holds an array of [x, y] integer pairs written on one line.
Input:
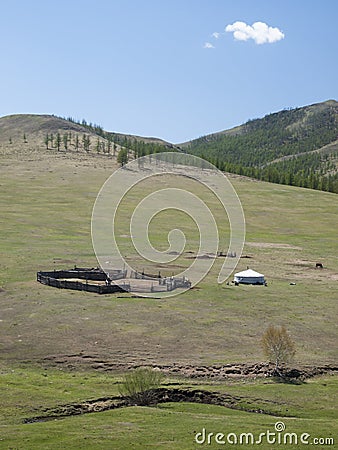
{"points": [[138, 385]]}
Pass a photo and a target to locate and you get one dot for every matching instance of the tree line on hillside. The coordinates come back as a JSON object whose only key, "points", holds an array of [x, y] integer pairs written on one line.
{"points": [[263, 140], [138, 146], [107, 146], [77, 142], [95, 128], [251, 152], [298, 171], [141, 148], [294, 133]]}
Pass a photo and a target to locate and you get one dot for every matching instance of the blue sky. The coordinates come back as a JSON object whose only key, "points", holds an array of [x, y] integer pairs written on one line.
{"points": [[142, 67]]}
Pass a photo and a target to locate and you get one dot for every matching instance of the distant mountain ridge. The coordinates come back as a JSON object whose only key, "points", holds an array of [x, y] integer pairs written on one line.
{"points": [[241, 129], [294, 146]]}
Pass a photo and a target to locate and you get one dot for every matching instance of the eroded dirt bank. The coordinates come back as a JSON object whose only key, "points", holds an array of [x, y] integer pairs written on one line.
{"points": [[161, 395], [217, 371], [165, 395]]}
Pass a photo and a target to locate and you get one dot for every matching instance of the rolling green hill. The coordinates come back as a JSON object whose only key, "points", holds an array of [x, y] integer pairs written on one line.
{"points": [[296, 146], [21, 131]]}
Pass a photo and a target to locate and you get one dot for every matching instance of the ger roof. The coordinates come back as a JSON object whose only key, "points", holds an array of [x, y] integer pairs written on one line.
{"points": [[248, 273]]}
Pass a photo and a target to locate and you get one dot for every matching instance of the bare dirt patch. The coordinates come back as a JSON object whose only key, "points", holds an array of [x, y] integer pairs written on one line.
{"points": [[273, 245], [307, 269]]}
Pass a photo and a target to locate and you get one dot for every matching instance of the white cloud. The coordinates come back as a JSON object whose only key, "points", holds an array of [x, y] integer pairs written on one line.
{"points": [[260, 32], [216, 35], [208, 45]]}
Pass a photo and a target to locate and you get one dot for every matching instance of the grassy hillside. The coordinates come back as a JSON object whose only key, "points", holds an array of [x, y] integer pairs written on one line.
{"points": [[20, 132], [46, 202], [296, 147]]}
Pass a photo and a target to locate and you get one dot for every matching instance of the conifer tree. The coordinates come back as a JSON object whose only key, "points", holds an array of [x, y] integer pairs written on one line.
{"points": [[58, 141], [77, 142], [65, 141], [46, 141], [98, 145], [122, 157], [86, 142]]}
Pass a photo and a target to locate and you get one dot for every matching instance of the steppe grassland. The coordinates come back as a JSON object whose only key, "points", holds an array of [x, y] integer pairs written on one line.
{"points": [[310, 408], [47, 199]]}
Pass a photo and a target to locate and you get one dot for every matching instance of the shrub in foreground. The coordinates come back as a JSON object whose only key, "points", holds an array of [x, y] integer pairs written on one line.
{"points": [[138, 386]]}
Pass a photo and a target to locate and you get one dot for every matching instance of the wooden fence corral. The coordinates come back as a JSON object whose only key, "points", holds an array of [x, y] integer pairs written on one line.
{"points": [[144, 276], [96, 280], [86, 274], [64, 279]]}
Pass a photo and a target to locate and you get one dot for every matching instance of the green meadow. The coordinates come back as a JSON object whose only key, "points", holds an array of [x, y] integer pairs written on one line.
{"points": [[305, 408], [46, 204]]}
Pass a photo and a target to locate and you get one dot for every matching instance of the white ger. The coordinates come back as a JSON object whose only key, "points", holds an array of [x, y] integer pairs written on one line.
{"points": [[249, 276]]}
